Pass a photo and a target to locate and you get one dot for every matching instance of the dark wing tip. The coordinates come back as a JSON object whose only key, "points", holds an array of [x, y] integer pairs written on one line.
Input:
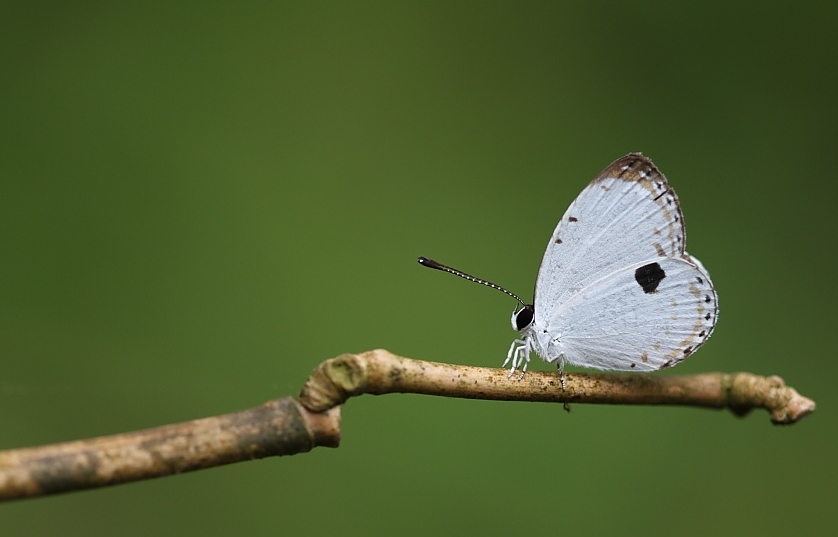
{"points": [[632, 167]]}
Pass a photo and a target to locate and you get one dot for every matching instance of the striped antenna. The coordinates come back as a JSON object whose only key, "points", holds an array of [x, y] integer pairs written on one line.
{"points": [[430, 263]]}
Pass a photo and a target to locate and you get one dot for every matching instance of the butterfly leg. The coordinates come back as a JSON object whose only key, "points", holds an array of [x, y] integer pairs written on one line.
{"points": [[560, 366], [512, 352], [519, 356], [524, 358], [518, 361], [512, 355]]}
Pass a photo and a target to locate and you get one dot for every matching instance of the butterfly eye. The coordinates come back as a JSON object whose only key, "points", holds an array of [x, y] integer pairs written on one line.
{"points": [[523, 317]]}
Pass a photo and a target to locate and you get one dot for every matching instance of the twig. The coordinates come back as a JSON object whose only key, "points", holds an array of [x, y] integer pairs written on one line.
{"points": [[287, 426], [379, 372]]}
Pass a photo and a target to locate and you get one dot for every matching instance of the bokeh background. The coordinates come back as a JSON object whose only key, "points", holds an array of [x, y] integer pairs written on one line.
{"points": [[201, 201]]}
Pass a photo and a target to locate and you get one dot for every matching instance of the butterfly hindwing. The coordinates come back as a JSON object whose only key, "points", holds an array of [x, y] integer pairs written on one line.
{"points": [[646, 316]]}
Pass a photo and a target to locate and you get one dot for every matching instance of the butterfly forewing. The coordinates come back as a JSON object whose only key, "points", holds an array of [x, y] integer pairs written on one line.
{"points": [[627, 215]]}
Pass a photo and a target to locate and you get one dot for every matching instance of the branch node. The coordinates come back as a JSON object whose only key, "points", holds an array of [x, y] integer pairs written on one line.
{"points": [[333, 382]]}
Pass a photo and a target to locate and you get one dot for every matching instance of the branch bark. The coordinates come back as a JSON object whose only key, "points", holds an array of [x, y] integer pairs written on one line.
{"points": [[379, 372], [279, 427], [287, 425]]}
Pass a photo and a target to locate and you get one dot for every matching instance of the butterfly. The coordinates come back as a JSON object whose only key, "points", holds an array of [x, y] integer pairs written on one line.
{"points": [[616, 289]]}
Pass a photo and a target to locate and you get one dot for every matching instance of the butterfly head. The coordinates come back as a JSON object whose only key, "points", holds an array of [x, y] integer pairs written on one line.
{"points": [[523, 317]]}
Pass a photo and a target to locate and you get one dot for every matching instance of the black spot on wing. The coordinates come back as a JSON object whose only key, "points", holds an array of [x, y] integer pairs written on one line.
{"points": [[649, 276], [572, 219]]}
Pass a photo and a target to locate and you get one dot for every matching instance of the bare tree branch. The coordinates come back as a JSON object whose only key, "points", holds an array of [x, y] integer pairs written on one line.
{"points": [[379, 372], [287, 426]]}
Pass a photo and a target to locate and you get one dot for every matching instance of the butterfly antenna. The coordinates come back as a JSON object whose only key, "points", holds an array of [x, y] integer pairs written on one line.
{"points": [[430, 263]]}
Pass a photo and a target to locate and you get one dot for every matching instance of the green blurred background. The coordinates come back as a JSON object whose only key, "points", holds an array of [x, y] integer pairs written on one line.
{"points": [[202, 201]]}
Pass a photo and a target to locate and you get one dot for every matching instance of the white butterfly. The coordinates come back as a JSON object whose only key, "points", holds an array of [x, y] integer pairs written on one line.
{"points": [[616, 290]]}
